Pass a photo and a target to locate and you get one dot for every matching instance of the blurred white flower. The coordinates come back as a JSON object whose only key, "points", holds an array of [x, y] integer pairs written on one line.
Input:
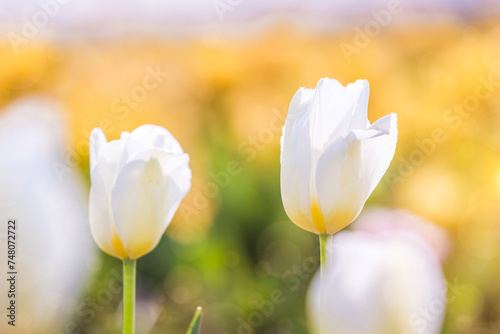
{"points": [[378, 220], [52, 235], [376, 282], [138, 183], [332, 158]]}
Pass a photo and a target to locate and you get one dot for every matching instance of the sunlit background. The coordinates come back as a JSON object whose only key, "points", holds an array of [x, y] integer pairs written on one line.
{"points": [[220, 76]]}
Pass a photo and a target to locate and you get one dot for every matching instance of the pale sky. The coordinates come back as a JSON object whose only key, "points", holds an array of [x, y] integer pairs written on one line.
{"points": [[97, 16]]}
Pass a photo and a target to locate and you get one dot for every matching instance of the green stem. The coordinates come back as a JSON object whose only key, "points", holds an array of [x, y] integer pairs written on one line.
{"points": [[323, 238], [129, 296]]}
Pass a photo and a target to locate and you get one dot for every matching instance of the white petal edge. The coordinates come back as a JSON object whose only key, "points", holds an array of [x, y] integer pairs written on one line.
{"points": [[360, 90], [154, 136], [99, 215], [350, 168], [295, 161], [330, 112], [97, 139], [378, 150]]}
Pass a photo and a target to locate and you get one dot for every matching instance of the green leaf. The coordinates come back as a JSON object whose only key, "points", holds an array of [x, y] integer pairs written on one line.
{"points": [[194, 328]]}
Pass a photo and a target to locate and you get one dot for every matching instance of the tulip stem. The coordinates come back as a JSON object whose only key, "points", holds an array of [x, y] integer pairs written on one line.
{"points": [[128, 296], [323, 238]]}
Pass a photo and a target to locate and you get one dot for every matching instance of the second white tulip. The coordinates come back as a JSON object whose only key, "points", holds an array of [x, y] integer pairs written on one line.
{"points": [[332, 158]]}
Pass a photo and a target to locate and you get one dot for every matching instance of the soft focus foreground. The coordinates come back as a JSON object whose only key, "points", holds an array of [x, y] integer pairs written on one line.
{"points": [[230, 247], [50, 243], [391, 278]]}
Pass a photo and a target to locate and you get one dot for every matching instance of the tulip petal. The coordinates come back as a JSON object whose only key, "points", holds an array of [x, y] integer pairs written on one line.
{"points": [[339, 184], [124, 135], [350, 169], [138, 204], [99, 215], [296, 161], [145, 199], [176, 168], [106, 158], [360, 91], [97, 139], [330, 113], [377, 149], [153, 136]]}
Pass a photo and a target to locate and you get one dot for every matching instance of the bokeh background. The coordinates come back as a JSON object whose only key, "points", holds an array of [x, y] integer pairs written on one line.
{"points": [[220, 75]]}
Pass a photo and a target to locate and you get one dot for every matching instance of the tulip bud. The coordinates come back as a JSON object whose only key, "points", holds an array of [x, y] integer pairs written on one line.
{"points": [[138, 182], [332, 158]]}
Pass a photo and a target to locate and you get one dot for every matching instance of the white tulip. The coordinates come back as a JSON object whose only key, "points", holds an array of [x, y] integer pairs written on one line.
{"points": [[48, 200], [332, 158], [379, 283], [379, 220], [138, 183]]}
